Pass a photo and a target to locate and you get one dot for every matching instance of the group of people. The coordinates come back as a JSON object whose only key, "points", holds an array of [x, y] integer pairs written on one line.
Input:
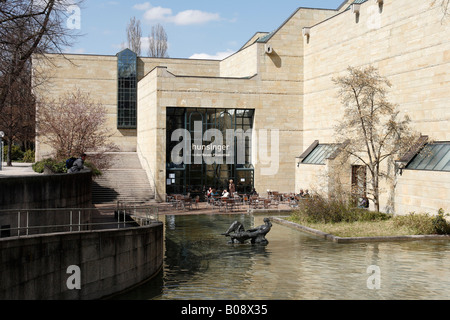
{"points": [[226, 193], [303, 194]]}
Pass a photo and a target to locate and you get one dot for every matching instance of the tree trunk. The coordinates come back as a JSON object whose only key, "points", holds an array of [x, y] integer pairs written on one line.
{"points": [[8, 156], [376, 190]]}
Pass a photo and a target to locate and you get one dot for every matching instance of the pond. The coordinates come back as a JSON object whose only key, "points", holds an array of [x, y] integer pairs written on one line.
{"points": [[199, 264]]}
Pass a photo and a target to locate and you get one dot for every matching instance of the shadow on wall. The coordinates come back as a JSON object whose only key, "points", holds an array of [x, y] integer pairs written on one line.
{"points": [[276, 59], [102, 194]]}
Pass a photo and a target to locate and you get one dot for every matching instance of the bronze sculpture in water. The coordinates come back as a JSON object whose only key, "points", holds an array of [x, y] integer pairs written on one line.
{"points": [[257, 235]]}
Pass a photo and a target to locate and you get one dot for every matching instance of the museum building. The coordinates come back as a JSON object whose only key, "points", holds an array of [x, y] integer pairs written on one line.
{"points": [[265, 115]]}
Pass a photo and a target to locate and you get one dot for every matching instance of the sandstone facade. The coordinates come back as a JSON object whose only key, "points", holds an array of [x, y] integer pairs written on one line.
{"points": [[285, 76]]}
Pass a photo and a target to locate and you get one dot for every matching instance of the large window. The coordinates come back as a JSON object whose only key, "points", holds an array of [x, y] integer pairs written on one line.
{"points": [[212, 168], [127, 87]]}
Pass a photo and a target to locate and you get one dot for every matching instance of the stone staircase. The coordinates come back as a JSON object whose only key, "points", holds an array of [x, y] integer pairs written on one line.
{"points": [[125, 181]]}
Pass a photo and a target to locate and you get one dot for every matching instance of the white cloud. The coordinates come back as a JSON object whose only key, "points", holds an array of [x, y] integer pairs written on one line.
{"points": [[183, 18], [142, 6], [158, 14], [189, 17], [217, 56]]}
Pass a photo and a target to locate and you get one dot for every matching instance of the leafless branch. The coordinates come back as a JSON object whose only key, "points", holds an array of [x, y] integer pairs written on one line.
{"points": [[158, 42], [134, 35], [371, 124]]}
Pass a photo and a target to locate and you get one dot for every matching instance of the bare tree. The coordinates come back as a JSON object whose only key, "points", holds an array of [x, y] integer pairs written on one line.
{"points": [[371, 126], [17, 118], [29, 27], [134, 35], [158, 42], [74, 124]]}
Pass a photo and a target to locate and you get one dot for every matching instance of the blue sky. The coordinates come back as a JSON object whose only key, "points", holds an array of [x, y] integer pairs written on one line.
{"points": [[195, 28]]}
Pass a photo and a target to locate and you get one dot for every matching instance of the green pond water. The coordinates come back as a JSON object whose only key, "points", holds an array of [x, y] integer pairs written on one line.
{"points": [[199, 264]]}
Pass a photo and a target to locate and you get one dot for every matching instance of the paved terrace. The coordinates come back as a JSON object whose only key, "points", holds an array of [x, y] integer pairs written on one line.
{"points": [[25, 169], [18, 169]]}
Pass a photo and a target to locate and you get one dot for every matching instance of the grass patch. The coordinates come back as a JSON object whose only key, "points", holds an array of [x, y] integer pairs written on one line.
{"points": [[385, 228], [341, 219]]}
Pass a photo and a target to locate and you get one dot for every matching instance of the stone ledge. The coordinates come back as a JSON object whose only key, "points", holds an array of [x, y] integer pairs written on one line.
{"points": [[337, 239]]}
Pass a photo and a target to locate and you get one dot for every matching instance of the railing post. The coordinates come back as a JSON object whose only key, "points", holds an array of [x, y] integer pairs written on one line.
{"points": [[18, 224], [146, 215]]}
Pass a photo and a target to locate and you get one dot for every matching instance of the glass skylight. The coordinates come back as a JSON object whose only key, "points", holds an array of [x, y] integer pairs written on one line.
{"points": [[433, 157]]}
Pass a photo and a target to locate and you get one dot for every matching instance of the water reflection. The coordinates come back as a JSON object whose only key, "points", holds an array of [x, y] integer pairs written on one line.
{"points": [[200, 264]]}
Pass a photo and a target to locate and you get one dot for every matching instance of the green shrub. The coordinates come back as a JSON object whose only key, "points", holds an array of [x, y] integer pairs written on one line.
{"points": [[95, 171], [55, 166], [16, 153], [318, 209], [440, 224], [28, 156], [421, 223]]}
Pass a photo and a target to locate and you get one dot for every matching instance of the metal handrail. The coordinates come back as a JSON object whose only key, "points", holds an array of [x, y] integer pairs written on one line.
{"points": [[147, 215]]}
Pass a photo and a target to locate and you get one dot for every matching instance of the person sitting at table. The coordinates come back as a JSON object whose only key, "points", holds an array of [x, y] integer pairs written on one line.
{"points": [[209, 192], [225, 194]]}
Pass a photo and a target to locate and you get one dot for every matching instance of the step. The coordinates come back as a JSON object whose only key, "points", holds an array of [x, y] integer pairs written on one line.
{"points": [[125, 181]]}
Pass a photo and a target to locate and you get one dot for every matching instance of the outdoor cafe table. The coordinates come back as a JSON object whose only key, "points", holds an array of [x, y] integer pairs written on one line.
{"points": [[228, 204]]}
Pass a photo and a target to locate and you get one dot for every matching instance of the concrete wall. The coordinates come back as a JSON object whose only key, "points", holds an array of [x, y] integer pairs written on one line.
{"points": [[272, 84], [185, 67], [161, 89], [241, 64], [149, 126], [281, 96], [422, 192], [97, 75], [46, 191], [36, 268], [409, 44], [293, 90], [93, 74]]}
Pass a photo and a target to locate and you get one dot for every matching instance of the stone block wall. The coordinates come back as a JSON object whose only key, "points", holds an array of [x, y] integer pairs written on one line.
{"points": [[409, 44]]}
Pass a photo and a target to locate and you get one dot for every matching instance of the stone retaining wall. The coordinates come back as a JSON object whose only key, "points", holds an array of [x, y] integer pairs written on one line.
{"points": [[79, 266], [46, 191]]}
